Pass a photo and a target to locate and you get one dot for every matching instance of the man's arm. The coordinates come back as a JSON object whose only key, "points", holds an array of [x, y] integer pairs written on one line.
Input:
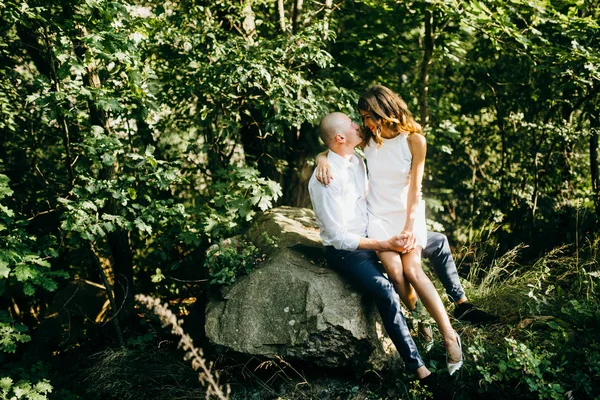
{"points": [[395, 243], [328, 209]]}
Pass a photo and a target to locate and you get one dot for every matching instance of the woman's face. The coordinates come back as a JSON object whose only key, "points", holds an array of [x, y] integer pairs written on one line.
{"points": [[368, 121]]}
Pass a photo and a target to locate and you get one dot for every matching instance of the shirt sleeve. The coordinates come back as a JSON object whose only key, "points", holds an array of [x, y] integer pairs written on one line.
{"points": [[328, 207]]}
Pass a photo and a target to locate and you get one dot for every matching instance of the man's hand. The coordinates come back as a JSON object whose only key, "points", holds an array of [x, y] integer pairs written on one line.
{"points": [[398, 243], [403, 243]]}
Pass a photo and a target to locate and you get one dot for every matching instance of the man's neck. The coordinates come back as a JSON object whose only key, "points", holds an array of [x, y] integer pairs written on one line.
{"points": [[346, 154]]}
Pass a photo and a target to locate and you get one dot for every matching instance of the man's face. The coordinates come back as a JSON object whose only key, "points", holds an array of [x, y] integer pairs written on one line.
{"points": [[352, 132]]}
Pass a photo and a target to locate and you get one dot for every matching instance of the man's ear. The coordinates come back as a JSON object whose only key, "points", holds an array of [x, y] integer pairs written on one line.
{"points": [[340, 138]]}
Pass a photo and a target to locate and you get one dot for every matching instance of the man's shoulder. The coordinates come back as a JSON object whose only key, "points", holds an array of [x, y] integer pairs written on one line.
{"points": [[334, 185]]}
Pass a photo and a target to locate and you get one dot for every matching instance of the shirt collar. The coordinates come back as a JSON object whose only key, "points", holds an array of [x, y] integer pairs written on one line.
{"points": [[340, 161]]}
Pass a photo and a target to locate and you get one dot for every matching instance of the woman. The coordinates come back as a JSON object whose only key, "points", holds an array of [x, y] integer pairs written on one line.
{"points": [[395, 151]]}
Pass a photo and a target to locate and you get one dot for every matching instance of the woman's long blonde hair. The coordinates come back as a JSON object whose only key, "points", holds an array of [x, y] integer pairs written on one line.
{"points": [[388, 110]]}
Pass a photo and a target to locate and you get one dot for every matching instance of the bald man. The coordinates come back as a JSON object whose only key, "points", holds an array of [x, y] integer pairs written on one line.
{"points": [[341, 211]]}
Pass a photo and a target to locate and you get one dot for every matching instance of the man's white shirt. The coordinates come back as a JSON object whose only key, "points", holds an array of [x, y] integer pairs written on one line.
{"points": [[341, 206]]}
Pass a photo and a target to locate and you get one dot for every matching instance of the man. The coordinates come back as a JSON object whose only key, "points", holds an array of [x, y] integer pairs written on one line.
{"points": [[341, 211]]}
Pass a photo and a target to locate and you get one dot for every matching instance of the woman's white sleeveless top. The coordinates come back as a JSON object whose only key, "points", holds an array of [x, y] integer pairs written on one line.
{"points": [[389, 175]]}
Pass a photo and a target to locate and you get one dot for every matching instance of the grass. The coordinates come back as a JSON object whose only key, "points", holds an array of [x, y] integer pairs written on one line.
{"points": [[547, 345], [138, 374]]}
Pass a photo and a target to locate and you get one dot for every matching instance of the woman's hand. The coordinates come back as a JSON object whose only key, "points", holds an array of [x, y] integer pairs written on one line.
{"points": [[323, 171], [410, 241]]}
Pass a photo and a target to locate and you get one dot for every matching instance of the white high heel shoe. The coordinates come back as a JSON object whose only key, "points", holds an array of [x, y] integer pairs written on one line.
{"points": [[453, 367]]}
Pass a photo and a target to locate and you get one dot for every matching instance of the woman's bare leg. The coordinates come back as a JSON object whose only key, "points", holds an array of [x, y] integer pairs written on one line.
{"points": [[395, 274], [407, 294], [413, 272]]}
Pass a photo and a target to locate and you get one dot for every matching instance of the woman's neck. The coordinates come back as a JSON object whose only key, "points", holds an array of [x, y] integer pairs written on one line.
{"points": [[387, 133]]}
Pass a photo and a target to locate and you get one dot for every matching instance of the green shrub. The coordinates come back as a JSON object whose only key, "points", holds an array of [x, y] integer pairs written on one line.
{"points": [[236, 195], [11, 333], [24, 389], [548, 347], [233, 258]]}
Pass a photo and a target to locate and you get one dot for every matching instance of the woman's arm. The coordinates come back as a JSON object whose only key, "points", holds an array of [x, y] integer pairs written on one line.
{"points": [[418, 148], [323, 171]]}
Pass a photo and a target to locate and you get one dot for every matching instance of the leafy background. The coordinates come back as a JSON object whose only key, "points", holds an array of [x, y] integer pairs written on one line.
{"points": [[135, 135]]}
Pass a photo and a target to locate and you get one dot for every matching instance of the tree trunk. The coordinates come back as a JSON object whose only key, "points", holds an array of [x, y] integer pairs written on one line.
{"points": [[249, 24], [45, 64], [503, 197], [474, 166], [425, 66], [567, 113], [122, 266], [118, 241], [281, 13], [594, 170], [297, 15], [301, 146], [113, 303], [257, 150], [536, 179], [328, 9]]}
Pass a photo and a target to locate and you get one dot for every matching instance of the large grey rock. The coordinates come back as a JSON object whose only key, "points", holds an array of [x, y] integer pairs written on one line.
{"points": [[294, 307]]}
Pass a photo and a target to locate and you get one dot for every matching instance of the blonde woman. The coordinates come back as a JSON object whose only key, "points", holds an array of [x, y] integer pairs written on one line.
{"points": [[395, 149]]}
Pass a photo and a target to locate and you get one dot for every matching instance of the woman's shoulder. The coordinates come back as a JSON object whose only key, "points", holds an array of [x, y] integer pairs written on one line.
{"points": [[416, 139], [417, 145]]}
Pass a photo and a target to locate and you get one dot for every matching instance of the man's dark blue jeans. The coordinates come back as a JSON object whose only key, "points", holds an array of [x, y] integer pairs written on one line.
{"points": [[439, 254], [361, 268]]}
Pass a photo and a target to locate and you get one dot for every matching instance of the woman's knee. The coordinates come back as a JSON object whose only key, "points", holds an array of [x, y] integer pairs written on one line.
{"points": [[413, 273], [392, 265], [396, 277]]}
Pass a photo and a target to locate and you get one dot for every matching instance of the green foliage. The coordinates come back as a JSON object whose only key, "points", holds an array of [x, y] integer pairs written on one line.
{"points": [[28, 384], [172, 124], [418, 391], [23, 258], [521, 364], [235, 197], [225, 264], [11, 333], [551, 339], [138, 201], [230, 259], [24, 266], [24, 389]]}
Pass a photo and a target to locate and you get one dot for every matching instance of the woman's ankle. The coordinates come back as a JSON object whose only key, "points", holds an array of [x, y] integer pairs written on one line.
{"points": [[449, 337], [422, 372]]}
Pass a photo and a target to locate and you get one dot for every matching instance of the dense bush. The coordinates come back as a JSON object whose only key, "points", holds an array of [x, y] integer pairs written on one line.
{"points": [[136, 135]]}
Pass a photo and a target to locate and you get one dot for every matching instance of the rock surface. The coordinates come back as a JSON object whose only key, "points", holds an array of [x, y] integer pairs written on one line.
{"points": [[294, 307]]}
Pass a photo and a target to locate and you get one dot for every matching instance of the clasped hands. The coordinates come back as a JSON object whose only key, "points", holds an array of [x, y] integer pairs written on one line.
{"points": [[403, 243]]}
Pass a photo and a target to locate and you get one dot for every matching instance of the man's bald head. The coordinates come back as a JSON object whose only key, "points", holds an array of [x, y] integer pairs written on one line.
{"points": [[331, 125]]}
